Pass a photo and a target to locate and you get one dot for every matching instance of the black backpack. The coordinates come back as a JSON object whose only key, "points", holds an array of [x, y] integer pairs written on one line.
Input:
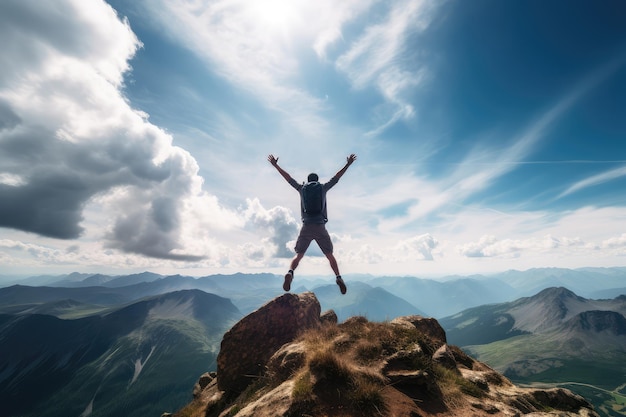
{"points": [[313, 198]]}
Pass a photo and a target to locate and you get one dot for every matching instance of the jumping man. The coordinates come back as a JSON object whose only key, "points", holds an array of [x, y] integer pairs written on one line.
{"points": [[314, 218]]}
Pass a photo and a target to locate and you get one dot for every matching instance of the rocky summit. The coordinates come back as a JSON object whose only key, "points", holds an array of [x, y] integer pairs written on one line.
{"points": [[284, 359], [248, 345]]}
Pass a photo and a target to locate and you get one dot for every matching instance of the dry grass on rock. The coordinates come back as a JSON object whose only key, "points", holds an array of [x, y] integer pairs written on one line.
{"points": [[362, 368]]}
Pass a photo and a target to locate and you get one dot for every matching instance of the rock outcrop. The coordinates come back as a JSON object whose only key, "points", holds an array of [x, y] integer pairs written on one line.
{"points": [[249, 344], [283, 360]]}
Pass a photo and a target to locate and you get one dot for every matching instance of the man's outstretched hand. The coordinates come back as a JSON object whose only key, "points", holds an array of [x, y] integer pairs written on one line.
{"points": [[272, 159], [351, 159]]}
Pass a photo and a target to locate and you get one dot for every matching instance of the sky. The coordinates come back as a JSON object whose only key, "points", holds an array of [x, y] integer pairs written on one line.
{"points": [[134, 135]]}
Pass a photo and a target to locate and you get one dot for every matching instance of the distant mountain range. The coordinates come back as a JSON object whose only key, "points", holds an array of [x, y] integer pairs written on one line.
{"points": [[136, 349], [433, 297], [137, 360], [93, 345], [247, 292]]}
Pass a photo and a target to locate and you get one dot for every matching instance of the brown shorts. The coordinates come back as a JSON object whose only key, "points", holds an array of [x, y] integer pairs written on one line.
{"points": [[315, 232]]}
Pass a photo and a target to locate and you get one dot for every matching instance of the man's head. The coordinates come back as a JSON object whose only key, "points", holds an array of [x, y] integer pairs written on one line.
{"points": [[312, 177]]}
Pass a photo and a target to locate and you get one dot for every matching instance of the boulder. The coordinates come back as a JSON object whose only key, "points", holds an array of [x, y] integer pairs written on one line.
{"points": [[329, 316], [248, 345], [444, 357], [428, 326], [204, 380], [286, 361]]}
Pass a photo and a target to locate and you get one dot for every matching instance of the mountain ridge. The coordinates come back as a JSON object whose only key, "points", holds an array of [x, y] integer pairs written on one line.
{"points": [[554, 337], [435, 297], [52, 367], [540, 313]]}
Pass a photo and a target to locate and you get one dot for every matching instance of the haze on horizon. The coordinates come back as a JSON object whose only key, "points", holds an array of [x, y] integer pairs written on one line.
{"points": [[134, 135]]}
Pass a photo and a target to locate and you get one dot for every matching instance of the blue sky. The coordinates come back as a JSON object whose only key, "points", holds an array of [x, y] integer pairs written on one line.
{"points": [[489, 134]]}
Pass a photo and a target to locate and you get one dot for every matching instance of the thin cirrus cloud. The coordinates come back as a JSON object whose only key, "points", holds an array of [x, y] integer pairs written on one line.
{"points": [[467, 179], [373, 59], [254, 60], [594, 180], [268, 65], [480, 169]]}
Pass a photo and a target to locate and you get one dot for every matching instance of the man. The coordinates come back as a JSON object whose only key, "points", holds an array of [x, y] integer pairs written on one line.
{"points": [[313, 221]]}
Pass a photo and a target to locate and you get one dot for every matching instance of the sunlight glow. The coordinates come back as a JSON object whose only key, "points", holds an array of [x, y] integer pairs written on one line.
{"points": [[276, 15]]}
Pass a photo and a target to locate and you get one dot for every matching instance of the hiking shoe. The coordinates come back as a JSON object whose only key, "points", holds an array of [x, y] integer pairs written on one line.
{"points": [[288, 279], [342, 285]]}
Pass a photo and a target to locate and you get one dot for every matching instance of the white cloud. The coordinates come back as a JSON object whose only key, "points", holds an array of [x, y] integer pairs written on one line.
{"points": [[261, 38], [277, 221], [362, 255], [374, 59], [70, 138], [484, 165], [594, 180], [416, 248], [615, 242], [34, 31], [83, 167], [264, 51], [374, 54], [11, 179], [489, 246]]}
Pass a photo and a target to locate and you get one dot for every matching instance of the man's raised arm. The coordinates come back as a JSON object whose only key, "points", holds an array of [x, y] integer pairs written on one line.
{"points": [[349, 160], [274, 161]]}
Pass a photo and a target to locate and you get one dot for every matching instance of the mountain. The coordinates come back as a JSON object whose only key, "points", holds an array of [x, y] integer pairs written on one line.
{"points": [[134, 361], [443, 298], [247, 291], [583, 281], [90, 281], [449, 295], [100, 295], [362, 299], [554, 337], [609, 293], [126, 280], [24, 295], [546, 312], [596, 322], [44, 280], [63, 309], [108, 280], [435, 297], [309, 366]]}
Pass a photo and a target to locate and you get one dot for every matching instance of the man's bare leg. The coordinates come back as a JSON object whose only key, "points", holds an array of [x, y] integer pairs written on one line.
{"points": [[289, 275], [335, 268], [296, 261], [333, 263]]}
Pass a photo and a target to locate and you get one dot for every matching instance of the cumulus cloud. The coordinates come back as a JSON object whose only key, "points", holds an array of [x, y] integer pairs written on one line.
{"points": [[615, 242], [277, 221], [490, 246], [418, 247], [69, 138], [365, 255], [47, 90]]}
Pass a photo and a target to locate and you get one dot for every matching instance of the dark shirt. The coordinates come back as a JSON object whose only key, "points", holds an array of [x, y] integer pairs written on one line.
{"points": [[322, 217]]}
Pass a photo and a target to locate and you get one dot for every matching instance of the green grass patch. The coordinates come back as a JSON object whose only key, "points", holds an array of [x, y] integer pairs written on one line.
{"points": [[302, 388]]}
